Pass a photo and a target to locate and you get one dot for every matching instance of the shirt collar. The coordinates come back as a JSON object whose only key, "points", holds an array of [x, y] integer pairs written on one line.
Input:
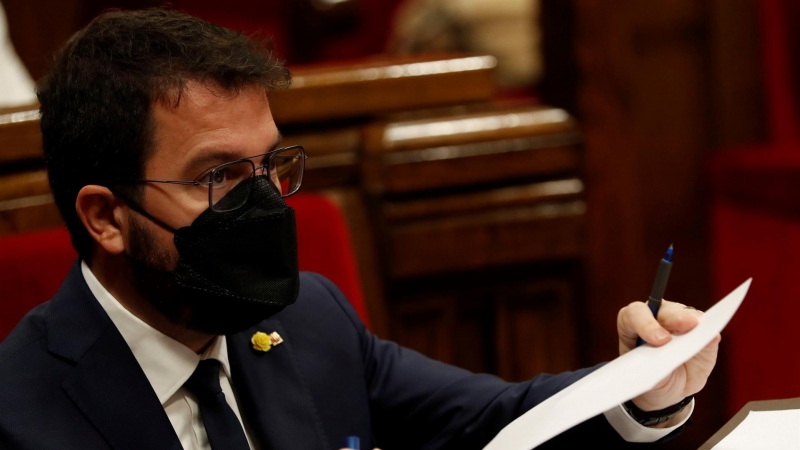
{"points": [[166, 363]]}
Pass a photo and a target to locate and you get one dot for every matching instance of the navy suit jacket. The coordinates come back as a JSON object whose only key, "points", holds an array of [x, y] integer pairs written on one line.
{"points": [[68, 380]]}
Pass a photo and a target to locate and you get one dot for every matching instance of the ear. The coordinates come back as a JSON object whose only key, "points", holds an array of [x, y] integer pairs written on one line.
{"points": [[103, 217]]}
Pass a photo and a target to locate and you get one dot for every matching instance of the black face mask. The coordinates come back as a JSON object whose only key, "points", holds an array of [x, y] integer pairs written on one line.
{"points": [[235, 268]]}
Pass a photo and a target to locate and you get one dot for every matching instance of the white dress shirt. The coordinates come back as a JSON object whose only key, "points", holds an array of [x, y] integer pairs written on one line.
{"points": [[168, 364], [633, 431]]}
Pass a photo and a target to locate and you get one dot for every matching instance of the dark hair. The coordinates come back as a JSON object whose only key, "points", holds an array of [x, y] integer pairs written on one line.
{"points": [[97, 98]]}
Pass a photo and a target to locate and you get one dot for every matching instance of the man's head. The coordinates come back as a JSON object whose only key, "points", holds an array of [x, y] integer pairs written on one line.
{"points": [[117, 78], [159, 95]]}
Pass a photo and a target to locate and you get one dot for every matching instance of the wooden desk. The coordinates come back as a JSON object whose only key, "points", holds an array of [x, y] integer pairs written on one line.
{"points": [[329, 92], [25, 200], [479, 213]]}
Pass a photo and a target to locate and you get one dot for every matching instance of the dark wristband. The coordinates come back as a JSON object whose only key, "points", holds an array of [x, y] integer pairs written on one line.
{"points": [[653, 418]]}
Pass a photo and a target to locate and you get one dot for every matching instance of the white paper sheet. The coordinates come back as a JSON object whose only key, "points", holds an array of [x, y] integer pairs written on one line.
{"points": [[765, 430], [622, 379]]}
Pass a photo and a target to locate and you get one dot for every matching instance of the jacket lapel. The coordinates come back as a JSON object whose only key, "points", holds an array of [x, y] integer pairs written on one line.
{"points": [[271, 390], [107, 385]]}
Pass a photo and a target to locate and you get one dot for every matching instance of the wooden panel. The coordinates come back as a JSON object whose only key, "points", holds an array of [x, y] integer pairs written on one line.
{"points": [[333, 155], [646, 128], [516, 321], [23, 184], [536, 330], [15, 109], [645, 109], [561, 80], [737, 83], [467, 199], [473, 348], [26, 203], [510, 225], [20, 135], [31, 217], [494, 145], [383, 85], [516, 235], [483, 201], [501, 226], [25, 200], [426, 330], [451, 328], [464, 169], [482, 123]]}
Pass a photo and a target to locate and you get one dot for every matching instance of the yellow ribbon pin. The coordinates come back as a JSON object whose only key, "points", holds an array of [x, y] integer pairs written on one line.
{"points": [[264, 342]]}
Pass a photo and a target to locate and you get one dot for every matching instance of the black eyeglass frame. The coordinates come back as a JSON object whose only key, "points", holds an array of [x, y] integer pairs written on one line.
{"points": [[271, 153]]}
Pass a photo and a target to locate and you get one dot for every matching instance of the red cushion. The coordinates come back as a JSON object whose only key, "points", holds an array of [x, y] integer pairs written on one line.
{"points": [[324, 246], [33, 265]]}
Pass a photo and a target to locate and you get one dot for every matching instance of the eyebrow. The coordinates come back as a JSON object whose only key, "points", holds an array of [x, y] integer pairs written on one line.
{"points": [[207, 161]]}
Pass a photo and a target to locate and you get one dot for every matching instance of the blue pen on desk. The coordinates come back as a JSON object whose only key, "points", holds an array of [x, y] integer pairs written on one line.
{"points": [[659, 286]]}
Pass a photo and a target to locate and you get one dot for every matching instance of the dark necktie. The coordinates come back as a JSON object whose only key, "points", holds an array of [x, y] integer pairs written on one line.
{"points": [[222, 426]]}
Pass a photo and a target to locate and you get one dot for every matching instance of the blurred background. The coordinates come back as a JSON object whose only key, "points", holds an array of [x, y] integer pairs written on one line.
{"points": [[510, 172]]}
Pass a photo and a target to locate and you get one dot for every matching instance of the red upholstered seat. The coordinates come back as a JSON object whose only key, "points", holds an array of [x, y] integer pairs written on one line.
{"points": [[324, 246], [33, 265]]}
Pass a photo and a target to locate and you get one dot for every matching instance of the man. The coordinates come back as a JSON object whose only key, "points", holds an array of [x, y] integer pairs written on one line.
{"points": [[158, 336]]}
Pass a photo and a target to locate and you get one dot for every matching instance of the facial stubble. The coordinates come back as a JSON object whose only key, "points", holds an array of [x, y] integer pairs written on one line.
{"points": [[152, 264]]}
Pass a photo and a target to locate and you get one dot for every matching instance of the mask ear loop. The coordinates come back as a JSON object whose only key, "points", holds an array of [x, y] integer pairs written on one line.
{"points": [[134, 206]]}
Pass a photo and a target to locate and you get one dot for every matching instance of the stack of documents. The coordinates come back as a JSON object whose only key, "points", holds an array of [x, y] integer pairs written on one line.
{"points": [[765, 430]]}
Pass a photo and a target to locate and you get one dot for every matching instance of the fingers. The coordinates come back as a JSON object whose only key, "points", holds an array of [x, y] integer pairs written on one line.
{"points": [[637, 320], [677, 318]]}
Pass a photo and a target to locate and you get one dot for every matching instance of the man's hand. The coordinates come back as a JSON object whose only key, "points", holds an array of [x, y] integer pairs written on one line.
{"points": [[636, 320]]}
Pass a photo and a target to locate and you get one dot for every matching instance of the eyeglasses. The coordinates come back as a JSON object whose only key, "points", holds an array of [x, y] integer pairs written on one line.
{"points": [[283, 166]]}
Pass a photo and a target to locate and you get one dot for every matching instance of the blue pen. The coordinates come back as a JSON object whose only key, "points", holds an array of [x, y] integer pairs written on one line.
{"points": [[659, 286], [352, 442]]}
